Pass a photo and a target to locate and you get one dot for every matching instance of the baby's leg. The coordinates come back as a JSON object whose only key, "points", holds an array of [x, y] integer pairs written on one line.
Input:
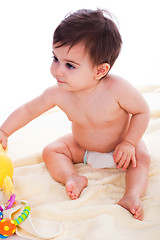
{"points": [[59, 157], [136, 182]]}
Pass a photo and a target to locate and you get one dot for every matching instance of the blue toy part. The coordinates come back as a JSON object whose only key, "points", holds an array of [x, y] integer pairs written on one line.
{"points": [[2, 237], [23, 215], [1, 216]]}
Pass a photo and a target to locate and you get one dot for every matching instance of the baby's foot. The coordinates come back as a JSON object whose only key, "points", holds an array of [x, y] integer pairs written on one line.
{"points": [[75, 185], [133, 204]]}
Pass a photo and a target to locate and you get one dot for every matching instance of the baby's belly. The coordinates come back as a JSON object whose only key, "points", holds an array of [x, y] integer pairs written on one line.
{"points": [[99, 139]]}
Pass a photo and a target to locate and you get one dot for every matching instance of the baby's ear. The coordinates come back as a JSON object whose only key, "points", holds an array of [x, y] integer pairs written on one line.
{"points": [[102, 70]]}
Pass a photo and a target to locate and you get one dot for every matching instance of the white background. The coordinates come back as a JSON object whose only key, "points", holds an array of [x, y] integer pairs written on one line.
{"points": [[26, 29]]}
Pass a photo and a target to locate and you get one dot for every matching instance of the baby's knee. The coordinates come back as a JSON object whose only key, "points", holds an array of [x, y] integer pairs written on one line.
{"points": [[47, 152], [53, 150], [143, 158]]}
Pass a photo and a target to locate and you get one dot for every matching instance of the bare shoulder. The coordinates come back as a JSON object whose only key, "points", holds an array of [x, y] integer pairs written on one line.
{"points": [[55, 95], [128, 96], [53, 90], [116, 82], [51, 95], [119, 85]]}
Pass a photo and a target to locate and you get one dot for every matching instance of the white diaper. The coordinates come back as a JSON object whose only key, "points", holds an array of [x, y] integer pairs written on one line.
{"points": [[99, 160]]}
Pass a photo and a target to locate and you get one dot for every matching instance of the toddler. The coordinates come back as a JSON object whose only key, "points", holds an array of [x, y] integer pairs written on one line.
{"points": [[108, 115]]}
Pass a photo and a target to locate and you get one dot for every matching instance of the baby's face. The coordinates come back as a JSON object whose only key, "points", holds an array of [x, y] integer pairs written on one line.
{"points": [[72, 68]]}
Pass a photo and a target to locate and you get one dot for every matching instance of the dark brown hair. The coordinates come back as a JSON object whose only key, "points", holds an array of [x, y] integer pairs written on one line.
{"points": [[96, 30]]}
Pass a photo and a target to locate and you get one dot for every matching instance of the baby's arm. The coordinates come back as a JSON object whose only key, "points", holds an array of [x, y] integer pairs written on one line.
{"points": [[26, 113], [131, 101]]}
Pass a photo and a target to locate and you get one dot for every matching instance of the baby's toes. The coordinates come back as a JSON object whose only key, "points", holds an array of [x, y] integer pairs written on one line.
{"points": [[139, 213], [73, 196]]}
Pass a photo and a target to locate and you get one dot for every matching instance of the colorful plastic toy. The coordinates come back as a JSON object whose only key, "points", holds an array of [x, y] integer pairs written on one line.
{"points": [[8, 204], [6, 172], [7, 225]]}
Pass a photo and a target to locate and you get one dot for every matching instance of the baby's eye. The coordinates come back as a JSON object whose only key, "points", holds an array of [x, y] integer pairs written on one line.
{"points": [[55, 59], [70, 66]]}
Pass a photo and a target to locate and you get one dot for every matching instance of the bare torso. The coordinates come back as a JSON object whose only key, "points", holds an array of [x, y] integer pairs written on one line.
{"points": [[98, 122]]}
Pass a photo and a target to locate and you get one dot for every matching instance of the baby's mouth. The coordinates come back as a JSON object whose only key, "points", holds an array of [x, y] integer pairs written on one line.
{"points": [[59, 81]]}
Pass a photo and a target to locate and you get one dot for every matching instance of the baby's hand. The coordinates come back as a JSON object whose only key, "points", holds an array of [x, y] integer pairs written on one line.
{"points": [[123, 154], [3, 139]]}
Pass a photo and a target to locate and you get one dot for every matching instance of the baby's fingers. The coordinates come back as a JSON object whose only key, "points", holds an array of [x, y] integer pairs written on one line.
{"points": [[4, 143], [126, 164], [134, 161], [117, 156], [114, 154], [122, 161]]}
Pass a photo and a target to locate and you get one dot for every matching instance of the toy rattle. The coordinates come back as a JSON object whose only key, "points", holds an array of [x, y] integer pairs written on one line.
{"points": [[7, 225]]}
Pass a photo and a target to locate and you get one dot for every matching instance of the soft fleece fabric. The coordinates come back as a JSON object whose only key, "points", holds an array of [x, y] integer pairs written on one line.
{"points": [[95, 215]]}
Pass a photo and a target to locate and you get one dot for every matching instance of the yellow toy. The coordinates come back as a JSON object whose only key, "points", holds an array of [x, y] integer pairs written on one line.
{"points": [[7, 225], [6, 172]]}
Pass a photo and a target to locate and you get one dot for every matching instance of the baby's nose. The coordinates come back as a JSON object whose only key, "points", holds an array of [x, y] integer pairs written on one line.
{"points": [[58, 71]]}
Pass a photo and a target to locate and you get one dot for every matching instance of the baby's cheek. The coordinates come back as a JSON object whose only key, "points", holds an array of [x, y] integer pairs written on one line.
{"points": [[51, 70]]}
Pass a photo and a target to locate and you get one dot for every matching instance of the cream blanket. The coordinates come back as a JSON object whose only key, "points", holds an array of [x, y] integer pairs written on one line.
{"points": [[95, 215]]}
